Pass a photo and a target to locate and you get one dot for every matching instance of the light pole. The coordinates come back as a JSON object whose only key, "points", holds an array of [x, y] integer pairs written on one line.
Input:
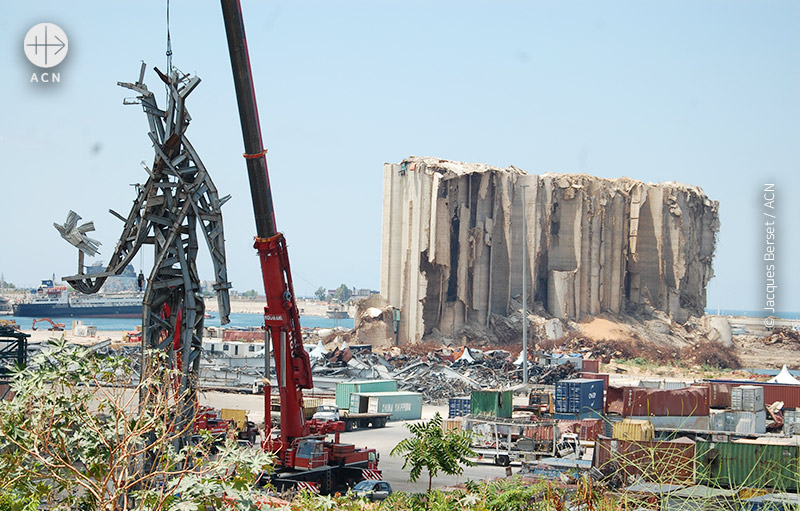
{"points": [[524, 291]]}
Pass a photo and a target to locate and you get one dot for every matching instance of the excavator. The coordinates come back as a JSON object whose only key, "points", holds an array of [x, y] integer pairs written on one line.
{"points": [[54, 327], [305, 456]]}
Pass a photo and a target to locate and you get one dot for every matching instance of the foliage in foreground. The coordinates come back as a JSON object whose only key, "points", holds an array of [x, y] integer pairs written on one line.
{"points": [[513, 494], [76, 436], [433, 450]]}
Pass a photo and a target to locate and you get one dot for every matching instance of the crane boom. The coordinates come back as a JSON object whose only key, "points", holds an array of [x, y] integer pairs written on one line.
{"points": [[281, 316]]}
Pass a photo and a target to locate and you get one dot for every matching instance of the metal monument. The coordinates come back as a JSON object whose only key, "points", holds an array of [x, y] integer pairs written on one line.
{"points": [[177, 198]]}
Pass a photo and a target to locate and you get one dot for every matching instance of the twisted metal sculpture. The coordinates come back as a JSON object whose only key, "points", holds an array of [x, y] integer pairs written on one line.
{"points": [[178, 195]]}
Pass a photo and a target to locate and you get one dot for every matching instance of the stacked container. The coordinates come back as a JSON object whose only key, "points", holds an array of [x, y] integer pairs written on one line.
{"points": [[402, 405], [497, 403], [688, 402], [747, 398], [580, 396], [458, 406], [344, 389], [633, 430], [791, 422]]}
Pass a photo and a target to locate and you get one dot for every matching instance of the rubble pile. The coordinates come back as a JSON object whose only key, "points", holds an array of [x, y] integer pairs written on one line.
{"points": [[437, 372], [782, 334]]}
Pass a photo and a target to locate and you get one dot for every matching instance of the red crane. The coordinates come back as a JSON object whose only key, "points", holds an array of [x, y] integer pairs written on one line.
{"points": [[304, 455]]}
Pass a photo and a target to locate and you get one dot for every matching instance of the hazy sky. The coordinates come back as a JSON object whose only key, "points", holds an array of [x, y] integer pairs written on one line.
{"points": [[701, 92]]}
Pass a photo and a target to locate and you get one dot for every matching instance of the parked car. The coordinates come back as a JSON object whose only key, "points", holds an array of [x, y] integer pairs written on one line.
{"points": [[372, 490]]}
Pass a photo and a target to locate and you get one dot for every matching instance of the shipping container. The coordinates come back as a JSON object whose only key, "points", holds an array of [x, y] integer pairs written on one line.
{"points": [[579, 395], [788, 394], [344, 389], [719, 394], [736, 465], [743, 423], [402, 405], [661, 462], [615, 399], [449, 425], [587, 430], [701, 498], [686, 402], [772, 502], [590, 365], [633, 430], [310, 405], [598, 376], [676, 422], [497, 403], [458, 406], [588, 414], [791, 422], [541, 431], [747, 398]]}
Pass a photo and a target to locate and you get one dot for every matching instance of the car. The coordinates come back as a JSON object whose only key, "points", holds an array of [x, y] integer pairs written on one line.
{"points": [[327, 413], [372, 490]]}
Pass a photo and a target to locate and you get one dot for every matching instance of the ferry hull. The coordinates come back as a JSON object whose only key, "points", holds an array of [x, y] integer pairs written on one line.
{"points": [[63, 310]]}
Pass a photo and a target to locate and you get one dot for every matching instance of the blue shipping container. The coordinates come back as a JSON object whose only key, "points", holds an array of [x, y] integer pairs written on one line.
{"points": [[579, 395], [586, 414], [458, 407]]}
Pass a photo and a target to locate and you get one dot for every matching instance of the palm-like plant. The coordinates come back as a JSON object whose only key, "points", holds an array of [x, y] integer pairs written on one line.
{"points": [[430, 448]]}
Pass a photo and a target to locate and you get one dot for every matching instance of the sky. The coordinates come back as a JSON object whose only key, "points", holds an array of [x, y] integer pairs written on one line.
{"points": [[700, 92]]}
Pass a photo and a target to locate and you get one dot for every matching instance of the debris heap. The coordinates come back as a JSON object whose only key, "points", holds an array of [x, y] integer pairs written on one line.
{"points": [[452, 245]]}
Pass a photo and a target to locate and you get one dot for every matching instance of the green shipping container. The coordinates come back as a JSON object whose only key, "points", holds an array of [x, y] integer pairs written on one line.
{"points": [[737, 465], [344, 389], [403, 406], [497, 403]]}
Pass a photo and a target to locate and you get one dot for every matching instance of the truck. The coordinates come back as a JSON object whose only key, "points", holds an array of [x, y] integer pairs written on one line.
{"points": [[304, 455], [505, 440], [351, 420]]}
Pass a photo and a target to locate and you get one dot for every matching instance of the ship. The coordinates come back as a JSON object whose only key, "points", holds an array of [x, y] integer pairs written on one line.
{"points": [[54, 301]]}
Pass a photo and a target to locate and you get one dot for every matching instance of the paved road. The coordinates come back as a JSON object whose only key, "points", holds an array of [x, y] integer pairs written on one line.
{"points": [[382, 439]]}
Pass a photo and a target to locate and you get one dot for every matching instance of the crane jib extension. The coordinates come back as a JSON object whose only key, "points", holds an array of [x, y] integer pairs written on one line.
{"points": [[281, 317]]}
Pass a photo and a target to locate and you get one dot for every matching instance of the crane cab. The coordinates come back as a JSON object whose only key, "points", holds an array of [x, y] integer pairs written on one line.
{"points": [[309, 454]]}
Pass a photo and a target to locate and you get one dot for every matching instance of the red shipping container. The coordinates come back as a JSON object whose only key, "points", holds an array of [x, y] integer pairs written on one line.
{"points": [[591, 429], [719, 394], [686, 402], [539, 432], [590, 365], [614, 399], [661, 462], [788, 394]]}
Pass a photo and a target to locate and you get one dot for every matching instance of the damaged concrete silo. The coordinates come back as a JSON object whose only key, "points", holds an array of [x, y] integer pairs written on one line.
{"points": [[452, 245]]}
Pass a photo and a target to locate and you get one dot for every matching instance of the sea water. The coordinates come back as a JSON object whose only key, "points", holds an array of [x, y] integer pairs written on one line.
{"points": [[238, 320]]}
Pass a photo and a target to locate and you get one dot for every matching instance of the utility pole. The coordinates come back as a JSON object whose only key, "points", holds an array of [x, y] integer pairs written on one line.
{"points": [[524, 291]]}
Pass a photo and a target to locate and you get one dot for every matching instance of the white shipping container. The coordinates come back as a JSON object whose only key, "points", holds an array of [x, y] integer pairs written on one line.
{"points": [[717, 420], [675, 422], [748, 398], [738, 422]]}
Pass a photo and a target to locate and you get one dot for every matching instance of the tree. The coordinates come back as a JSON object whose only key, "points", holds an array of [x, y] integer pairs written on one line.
{"points": [[433, 450], [321, 293], [252, 293], [342, 293], [76, 435]]}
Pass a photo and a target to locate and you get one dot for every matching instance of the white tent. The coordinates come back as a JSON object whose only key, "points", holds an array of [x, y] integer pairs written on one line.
{"points": [[785, 377], [318, 351], [466, 357]]}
